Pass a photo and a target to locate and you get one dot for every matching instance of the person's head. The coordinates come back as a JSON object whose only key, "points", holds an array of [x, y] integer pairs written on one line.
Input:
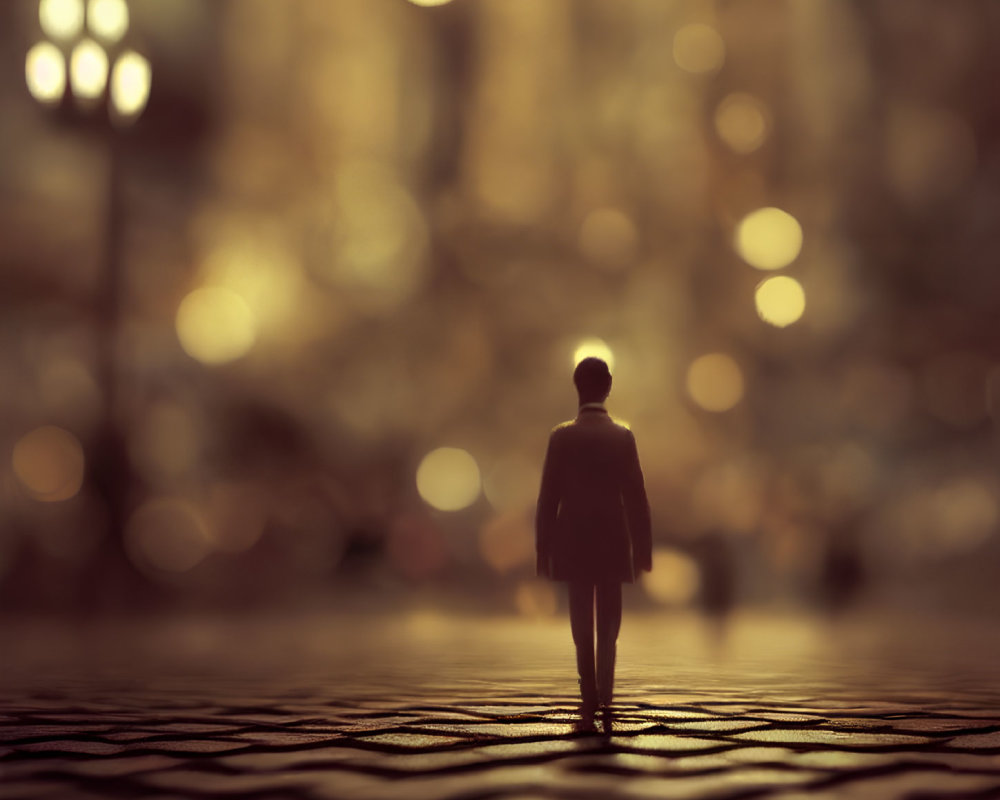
{"points": [[593, 380]]}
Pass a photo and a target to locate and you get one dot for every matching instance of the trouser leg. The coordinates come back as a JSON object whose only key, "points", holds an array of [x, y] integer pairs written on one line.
{"points": [[581, 616], [609, 620]]}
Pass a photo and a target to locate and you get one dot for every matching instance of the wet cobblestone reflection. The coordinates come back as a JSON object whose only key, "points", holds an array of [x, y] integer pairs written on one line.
{"points": [[474, 709]]}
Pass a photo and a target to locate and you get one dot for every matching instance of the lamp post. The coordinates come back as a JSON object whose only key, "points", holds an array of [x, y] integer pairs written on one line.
{"points": [[82, 71]]}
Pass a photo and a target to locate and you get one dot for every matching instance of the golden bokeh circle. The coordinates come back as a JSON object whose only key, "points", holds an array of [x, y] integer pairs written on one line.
{"points": [[780, 301], [768, 238], [448, 479], [741, 122], [675, 578], [49, 463], [215, 325], [699, 49], [715, 382]]}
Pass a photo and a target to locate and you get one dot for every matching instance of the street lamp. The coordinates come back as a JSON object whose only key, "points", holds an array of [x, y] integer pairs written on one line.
{"points": [[90, 36], [81, 69]]}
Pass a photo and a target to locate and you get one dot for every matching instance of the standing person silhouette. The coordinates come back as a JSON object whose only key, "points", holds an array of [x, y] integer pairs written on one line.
{"points": [[592, 526]]}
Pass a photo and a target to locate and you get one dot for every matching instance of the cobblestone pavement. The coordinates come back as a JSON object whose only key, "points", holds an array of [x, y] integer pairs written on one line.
{"points": [[430, 707]]}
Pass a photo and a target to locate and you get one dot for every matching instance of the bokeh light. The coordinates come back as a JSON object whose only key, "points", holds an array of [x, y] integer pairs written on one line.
{"points": [[215, 325], [131, 79], [769, 238], [512, 483], [715, 382], [379, 236], [430, 3], [262, 269], [45, 72], [780, 301], [730, 496], [699, 49], [389, 244], [674, 579], [49, 462], [741, 122], [448, 479], [61, 19], [88, 70], [108, 19], [966, 512], [594, 347], [535, 597], [507, 541], [608, 238], [167, 535]]}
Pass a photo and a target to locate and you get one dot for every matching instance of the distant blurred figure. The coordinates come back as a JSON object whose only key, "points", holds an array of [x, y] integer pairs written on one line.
{"points": [[842, 576], [718, 580], [592, 526]]}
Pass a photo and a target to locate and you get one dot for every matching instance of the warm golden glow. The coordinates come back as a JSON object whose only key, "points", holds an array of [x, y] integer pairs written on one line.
{"points": [[715, 382], [741, 122], [674, 579], [261, 270], [429, 3], [215, 325], [780, 301], [594, 348], [61, 19], [448, 479], [379, 235], [536, 598], [49, 463], [512, 483], [131, 79], [508, 541], [108, 19], [967, 512], [88, 70], [769, 238], [730, 496], [608, 237], [698, 48], [45, 72], [166, 535]]}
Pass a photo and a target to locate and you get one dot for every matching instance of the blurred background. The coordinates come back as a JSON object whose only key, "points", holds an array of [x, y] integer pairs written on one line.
{"points": [[291, 294]]}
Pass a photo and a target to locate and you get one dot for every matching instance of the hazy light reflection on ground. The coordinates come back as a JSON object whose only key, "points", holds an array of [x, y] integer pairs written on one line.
{"points": [[430, 705], [417, 646]]}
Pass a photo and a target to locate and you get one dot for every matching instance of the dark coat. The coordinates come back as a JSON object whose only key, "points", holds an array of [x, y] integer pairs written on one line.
{"points": [[592, 521]]}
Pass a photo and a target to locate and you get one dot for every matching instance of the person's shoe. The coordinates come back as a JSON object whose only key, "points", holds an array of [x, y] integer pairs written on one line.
{"points": [[607, 721], [606, 678]]}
